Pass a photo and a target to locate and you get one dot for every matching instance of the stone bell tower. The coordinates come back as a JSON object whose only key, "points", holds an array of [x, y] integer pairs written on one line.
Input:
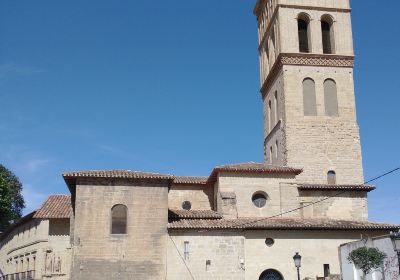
{"points": [[306, 72]]}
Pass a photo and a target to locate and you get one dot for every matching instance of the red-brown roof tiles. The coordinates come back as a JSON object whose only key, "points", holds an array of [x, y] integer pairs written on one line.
{"points": [[365, 188], [188, 180], [252, 167], [55, 207], [129, 174], [279, 224]]}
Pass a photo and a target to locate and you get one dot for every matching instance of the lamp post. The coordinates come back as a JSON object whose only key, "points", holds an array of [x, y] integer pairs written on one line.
{"points": [[395, 236], [297, 263]]}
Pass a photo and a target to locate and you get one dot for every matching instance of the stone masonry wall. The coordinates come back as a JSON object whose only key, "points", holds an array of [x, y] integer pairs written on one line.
{"points": [[200, 196], [212, 255], [320, 143], [141, 253]]}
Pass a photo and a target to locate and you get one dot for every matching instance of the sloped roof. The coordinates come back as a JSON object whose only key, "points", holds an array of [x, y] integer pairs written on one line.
{"points": [[278, 224], [116, 174], [252, 167], [187, 180], [55, 207], [365, 188]]}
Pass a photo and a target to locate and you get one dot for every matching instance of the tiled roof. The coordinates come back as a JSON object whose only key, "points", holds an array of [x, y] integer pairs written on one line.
{"points": [[55, 207], [366, 188], [116, 174], [252, 167], [184, 180], [193, 214], [279, 224]]}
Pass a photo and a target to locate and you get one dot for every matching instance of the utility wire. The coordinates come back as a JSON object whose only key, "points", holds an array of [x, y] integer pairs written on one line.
{"points": [[318, 201]]}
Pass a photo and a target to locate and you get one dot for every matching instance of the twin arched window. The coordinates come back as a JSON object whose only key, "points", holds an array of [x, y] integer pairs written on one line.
{"points": [[303, 28], [310, 98], [119, 217]]}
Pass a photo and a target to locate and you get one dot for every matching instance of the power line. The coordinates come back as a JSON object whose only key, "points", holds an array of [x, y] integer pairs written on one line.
{"points": [[184, 262], [318, 201]]}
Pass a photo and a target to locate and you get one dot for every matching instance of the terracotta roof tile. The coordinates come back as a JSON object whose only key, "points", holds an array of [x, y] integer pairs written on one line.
{"points": [[366, 188], [55, 207], [116, 174], [280, 224], [185, 180], [252, 167], [193, 214]]}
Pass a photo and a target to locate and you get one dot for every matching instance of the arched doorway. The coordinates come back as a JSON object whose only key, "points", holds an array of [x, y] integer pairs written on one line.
{"points": [[271, 274]]}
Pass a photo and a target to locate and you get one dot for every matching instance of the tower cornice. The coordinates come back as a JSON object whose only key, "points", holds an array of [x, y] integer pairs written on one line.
{"points": [[305, 59], [260, 3]]}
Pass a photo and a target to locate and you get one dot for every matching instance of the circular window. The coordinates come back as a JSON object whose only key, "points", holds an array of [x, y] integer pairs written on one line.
{"points": [[186, 205], [269, 242], [259, 199]]}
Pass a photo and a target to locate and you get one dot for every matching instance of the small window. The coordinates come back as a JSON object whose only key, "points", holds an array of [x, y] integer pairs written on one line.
{"points": [[271, 154], [331, 99], [327, 270], [259, 199], [303, 31], [186, 205], [271, 121], [186, 250], [276, 149], [276, 107], [331, 177], [269, 242], [119, 215]]}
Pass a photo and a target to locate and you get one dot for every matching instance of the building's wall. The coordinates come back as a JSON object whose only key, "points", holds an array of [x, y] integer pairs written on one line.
{"points": [[39, 245], [245, 185], [224, 251], [201, 196], [347, 206], [141, 253], [321, 143], [316, 248], [390, 269], [273, 120]]}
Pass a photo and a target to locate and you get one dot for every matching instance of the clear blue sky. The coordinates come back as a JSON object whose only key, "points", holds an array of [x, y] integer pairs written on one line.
{"points": [[166, 86]]}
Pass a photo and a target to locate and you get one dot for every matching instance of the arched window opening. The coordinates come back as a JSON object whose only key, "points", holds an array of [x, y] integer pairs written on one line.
{"points": [[331, 177], [303, 31], [271, 121], [119, 215], [327, 34], [271, 274], [276, 107], [331, 99], [309, 97]]}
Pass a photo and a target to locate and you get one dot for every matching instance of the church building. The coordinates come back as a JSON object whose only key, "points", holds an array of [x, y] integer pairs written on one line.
{"points": [[246, 220]]}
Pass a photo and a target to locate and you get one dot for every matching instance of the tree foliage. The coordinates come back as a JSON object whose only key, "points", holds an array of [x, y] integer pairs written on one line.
{"points": [[11, 200], [367, 259]]}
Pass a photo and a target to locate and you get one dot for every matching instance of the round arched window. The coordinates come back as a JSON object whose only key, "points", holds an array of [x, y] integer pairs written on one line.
{"points": [[186, 205], [259, 199], [270, 274]]}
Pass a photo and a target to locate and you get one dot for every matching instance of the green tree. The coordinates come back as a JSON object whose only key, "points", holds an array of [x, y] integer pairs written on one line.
{"points": [[11, 200], [367, 259]]}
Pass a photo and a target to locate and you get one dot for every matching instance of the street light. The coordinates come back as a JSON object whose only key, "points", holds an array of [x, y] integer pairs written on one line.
{"points": [[297, 263], [395, 236]]}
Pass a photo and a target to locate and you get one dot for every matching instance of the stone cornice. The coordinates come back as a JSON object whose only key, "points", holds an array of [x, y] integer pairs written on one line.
{"points": [[330, 9], [304, 59]]}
